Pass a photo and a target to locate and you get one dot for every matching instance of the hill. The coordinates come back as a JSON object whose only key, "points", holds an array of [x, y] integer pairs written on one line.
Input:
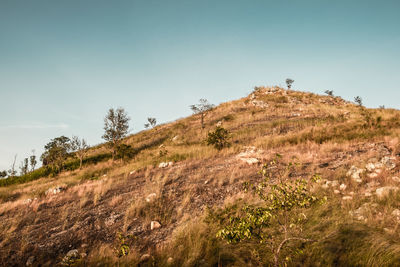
{"points": [[165, 206]]}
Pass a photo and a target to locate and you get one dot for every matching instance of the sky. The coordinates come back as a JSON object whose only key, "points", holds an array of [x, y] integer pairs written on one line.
{"points": [[64, 63]]}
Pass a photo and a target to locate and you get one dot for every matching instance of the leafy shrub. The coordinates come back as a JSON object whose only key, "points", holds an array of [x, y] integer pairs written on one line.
{"points": [[279, 218], [218, 138]]}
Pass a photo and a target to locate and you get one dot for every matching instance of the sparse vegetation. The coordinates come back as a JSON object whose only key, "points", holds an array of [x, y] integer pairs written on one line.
{"points": [[151, 122], [218, 138], [289, 83], [194, 197], [202, 108], [115, 128]]}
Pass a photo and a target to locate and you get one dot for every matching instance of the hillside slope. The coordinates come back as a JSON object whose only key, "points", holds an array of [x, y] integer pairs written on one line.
{"points": [[108, 206]]}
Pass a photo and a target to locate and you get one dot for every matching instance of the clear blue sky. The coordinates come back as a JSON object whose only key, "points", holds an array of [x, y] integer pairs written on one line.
{"points": [[64, 63]]}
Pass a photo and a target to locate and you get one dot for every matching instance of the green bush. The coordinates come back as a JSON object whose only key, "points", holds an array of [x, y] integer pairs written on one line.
{"points": [[218, 138]]}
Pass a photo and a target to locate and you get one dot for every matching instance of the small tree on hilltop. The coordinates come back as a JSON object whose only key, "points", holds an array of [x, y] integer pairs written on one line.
{"points": [[32, 161], [116, 128], [24, 168], [151, 122], [56, 152], [80, 147], [12, 172], [218, 138], [278, 218], [289, 83], [358, 100], [329, 92], [202, 108], [3, 174]]}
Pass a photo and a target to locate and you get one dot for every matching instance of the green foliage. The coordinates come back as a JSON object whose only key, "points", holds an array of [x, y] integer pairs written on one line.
{"points": [[56, 152], [289, 83], [122, 245], [33, 175], [115, 128], [219, 138], [279, 217], [125, 152], [3, 174], [151, 122]]}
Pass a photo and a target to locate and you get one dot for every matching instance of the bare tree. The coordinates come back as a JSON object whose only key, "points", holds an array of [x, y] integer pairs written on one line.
{"points": [[12, 172], [289, 83], [202, 108], [80, 147], [151, 122], [116, 128]]}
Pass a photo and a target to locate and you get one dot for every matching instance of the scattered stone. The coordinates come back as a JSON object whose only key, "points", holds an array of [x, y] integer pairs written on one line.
{"points": [[351, 193], [354, 173], [250, 161], [334, 183], [154, 225], [368, 194], [373, 175], [132, 172], [145, 257], [325, 186], [27, 201], [342, 187], [175, 138], [336, 191], [55, 190], [396, 179], [396, 212], [388, 162], [219, 123], [370, 167], [347, 198], [104, 175], [206, 182], [151, 197], [378, 171], [382, 192], [30, 261], [165, 164], [71, 257], [170, 260]]}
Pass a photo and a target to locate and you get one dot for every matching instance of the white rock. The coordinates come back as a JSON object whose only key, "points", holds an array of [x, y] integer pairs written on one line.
{"points": [[373, 175], [132, 172], [250, 161], [347, 198], [151, 197], [145, 257], [396, 179], [336, 191], [388, 162], [30, 261], [382, 192], [334, 183], [164, 164], [354, 173], [325, 186], [55, 190], [342, 187], [370, 167], [378, 171], [396, 212], [367, 194], [154, 225], [170, 260]]}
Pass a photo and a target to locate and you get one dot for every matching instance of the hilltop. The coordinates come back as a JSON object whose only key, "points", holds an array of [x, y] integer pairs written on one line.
{"points": [[162, 207]]}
